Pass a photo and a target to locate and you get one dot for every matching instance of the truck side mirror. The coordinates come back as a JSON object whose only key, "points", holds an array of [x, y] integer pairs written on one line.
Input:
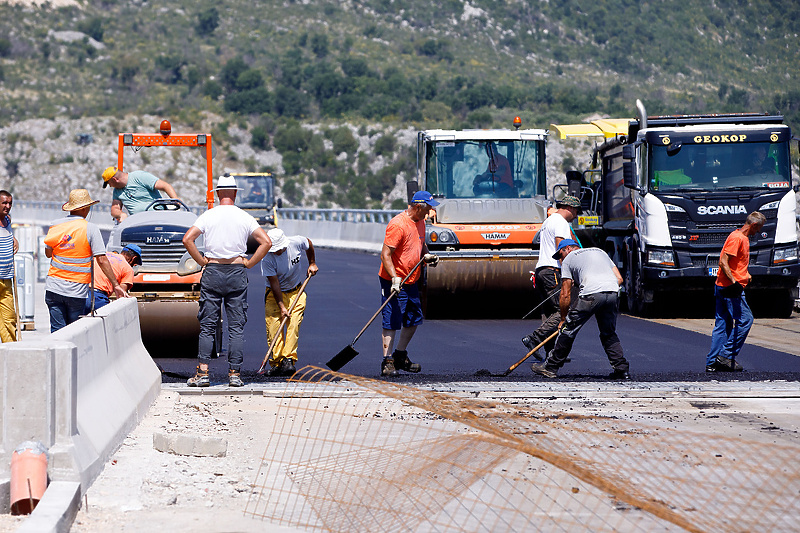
{"points": [[628, 152], [628, 175], [279, 203], [574, 179], [411, 188]]}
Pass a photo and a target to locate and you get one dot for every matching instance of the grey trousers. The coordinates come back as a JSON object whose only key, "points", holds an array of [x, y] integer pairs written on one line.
{"points": [[223, 285]]}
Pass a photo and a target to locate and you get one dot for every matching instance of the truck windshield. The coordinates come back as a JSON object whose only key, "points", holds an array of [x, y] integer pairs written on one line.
{"points": [[256, 191], [731, 166], [485, 169]]}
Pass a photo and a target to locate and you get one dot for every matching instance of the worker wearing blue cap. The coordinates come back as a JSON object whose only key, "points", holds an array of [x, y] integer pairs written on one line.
{"points": [[599, 280], [122, 264]]}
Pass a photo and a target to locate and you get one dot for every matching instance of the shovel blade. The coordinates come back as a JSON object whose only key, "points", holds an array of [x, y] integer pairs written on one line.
{"points": [[342, 358]]}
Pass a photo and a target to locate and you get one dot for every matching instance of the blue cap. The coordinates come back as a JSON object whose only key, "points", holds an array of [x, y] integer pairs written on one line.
{"points": [[424, 197], [563, 244], [136, 250]]}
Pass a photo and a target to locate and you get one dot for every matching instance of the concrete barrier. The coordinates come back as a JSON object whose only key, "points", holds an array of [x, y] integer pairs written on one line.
{"points": [[78, 391], [358, 236]]}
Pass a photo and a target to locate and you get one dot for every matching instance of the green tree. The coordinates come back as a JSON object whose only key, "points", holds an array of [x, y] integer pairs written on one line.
{"points": [[207, 21], [92, 27], [320, 44]]}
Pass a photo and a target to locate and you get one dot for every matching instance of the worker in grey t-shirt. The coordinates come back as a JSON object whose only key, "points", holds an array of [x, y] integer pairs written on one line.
{"points": [[599, 280]]}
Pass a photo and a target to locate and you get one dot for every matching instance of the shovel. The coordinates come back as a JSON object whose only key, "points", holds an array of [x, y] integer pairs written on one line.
{"points": [[283, 323], [515, 365], [348, 352]]}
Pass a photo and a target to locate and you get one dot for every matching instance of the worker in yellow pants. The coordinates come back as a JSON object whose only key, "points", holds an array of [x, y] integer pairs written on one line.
{"points": [[8, 316], [283, 269]]}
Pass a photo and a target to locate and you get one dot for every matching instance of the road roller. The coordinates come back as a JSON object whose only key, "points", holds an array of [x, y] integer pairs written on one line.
{"points": [[492, 189], [167, 283]]}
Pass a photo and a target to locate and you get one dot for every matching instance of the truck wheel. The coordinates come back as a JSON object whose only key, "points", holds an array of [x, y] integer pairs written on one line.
{"points": [[642, 308]]}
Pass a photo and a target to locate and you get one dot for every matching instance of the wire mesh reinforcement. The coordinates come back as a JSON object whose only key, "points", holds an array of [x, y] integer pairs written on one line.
{"points": [[395, 458]]}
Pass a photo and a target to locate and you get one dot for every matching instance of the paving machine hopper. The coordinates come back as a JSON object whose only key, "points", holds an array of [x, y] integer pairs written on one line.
{"points": [[491, 186]]}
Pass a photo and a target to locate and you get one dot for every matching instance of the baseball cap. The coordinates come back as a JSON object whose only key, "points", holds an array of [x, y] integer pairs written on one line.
{"points": [[108, 174], [136, 250], [278, 238], [563, 244], [424, 197], [569, 201]]}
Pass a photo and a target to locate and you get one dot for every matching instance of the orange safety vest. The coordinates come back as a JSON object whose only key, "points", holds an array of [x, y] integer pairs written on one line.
{"points": [[72, 254]]}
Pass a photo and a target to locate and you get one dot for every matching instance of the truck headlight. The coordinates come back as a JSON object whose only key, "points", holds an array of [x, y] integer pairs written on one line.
{"points": [[187, 265], [661, 258], [785, 255]]}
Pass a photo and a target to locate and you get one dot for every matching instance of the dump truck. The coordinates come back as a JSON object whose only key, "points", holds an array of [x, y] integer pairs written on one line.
{"points": [[668, 190], [257, 196], [491, 186], [167, 283]]}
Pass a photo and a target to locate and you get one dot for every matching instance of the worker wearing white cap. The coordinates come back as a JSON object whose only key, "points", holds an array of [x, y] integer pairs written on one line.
{"points": [[225, 229], [283, 269]]}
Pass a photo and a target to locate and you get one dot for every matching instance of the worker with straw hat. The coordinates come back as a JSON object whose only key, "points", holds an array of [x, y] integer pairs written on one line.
{"points": [[71, 243]]}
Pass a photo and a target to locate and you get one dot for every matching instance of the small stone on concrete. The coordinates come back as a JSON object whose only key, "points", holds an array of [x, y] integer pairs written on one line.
{"points": [[194, 445]]}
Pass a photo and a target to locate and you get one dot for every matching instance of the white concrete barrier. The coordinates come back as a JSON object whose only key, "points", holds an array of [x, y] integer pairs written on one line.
{"points": [[359, 236], [78, 391]]}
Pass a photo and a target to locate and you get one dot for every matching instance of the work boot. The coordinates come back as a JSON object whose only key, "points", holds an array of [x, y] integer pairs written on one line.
{"points": [[530, 344], [728, 365], [387, 368], [402, 362], [234, 378], [286, 367], [200, 378], [540, 369], [620, 375]]}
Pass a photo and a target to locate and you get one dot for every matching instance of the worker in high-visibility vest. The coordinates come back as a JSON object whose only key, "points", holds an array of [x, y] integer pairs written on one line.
{"points": [[71, 243]]}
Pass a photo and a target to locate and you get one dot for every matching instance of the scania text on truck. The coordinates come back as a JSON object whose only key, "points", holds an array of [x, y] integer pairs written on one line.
{"points": [[670, 189]]}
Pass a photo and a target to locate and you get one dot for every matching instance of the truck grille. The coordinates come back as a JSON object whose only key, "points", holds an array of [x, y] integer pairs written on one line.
{"points": [[162, 253], [712, 238]]}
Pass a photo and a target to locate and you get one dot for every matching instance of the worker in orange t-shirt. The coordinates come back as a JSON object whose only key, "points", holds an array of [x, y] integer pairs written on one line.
{"points": [[733, 317], [122, 264], [403, 247]]}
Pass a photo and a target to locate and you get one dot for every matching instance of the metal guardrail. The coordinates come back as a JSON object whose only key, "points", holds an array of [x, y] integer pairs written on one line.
{"points": [[44, 212], [337, 215]]}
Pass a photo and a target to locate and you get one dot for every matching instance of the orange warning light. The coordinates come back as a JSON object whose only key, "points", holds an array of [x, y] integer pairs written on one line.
{"points": [[517, 122], [165, 128]]}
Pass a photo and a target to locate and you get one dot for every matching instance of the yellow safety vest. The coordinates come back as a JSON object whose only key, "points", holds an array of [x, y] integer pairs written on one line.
{"points": [[72, 254]]}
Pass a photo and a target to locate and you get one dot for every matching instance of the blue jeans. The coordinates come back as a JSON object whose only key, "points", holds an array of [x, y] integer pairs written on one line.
{"points": [[733, 320], [223, 285], [63, 309], [100, 299], [604, 306]]}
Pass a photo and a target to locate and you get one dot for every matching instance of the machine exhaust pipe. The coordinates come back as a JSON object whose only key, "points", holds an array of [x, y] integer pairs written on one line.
{"points": [[642, 114]]}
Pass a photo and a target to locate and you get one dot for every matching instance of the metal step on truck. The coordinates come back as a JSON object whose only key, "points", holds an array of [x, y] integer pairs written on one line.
{"points": [[668, 190]]}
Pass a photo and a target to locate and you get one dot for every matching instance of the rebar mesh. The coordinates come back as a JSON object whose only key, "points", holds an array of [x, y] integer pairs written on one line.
{"points": [[349, 453]]}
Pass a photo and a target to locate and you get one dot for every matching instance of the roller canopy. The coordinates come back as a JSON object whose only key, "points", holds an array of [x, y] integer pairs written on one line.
{"points": [[604, 128]]}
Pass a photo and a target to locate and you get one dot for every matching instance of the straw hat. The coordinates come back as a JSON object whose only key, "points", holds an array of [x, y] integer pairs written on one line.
{"points": [[78, 198]]}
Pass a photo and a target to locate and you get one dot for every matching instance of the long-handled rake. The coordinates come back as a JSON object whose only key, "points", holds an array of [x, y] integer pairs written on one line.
{"points": [[515, 365]]}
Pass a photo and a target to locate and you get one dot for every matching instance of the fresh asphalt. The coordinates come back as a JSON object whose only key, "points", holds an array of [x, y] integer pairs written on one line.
{"points": [[345, 294]]}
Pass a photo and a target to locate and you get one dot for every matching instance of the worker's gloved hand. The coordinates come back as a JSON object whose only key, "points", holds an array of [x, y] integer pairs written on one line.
{"points": [[396, 283], [431, 259]]}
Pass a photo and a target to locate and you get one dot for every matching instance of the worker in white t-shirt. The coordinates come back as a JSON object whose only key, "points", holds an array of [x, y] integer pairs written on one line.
{"points": [[225, 229], [548, 274]]}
